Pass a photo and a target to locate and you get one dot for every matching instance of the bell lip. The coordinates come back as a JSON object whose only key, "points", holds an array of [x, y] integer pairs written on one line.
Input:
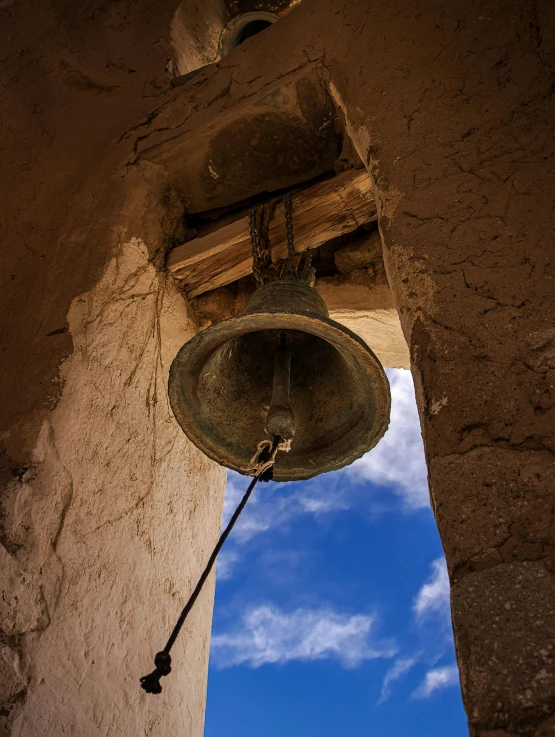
{"points": [[217, 335]]}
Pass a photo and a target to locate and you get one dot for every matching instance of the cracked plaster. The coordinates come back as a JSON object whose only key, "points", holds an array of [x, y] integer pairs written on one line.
{"points": [[451, 106], [117, 522]]}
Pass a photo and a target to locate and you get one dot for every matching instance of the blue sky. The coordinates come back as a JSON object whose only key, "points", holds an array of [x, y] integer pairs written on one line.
{"points": [[332, 603]]}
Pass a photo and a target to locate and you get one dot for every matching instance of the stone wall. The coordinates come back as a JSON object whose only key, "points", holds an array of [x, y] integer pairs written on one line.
{"points": [[456, 124]]}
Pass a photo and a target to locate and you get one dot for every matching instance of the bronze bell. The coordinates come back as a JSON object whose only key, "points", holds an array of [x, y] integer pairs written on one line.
{"points": [[281, 368]]}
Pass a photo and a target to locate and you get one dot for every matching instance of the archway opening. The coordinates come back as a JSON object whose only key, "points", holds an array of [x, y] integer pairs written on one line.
{"points": [[245, 26], [251, 29]]}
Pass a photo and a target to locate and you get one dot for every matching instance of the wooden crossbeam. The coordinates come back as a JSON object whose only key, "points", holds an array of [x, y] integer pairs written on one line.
{"points": [[320, 213]]}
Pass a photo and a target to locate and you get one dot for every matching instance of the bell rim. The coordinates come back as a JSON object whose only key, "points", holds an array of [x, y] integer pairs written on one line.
{"points": [[217, 335]]}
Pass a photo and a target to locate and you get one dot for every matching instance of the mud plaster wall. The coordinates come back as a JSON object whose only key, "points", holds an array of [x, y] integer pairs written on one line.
{"points": [[107, 513], [451, 106], [195, 33], [112, 525]]}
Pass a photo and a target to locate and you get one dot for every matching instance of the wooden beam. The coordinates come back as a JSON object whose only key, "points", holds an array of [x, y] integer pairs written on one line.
{"points": [[320, 213]]}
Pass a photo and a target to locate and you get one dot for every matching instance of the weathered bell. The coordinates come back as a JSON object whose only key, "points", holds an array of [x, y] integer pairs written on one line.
{"points": [[281, 367]]}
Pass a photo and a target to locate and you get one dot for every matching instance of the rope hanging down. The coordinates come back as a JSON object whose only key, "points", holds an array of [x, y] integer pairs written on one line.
{"points": [[162, 660]]}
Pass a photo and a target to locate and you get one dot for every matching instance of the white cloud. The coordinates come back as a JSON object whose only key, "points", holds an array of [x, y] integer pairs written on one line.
{"points": [[320, 499], [433, 597], [397, 462], [256, 516], [272, 505], [432, 600], [270, 635], [437, 679], [226, 562], [398, 459], [397, 671]]}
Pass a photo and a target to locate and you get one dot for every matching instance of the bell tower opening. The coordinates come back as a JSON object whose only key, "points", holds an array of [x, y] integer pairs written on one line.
{"points": [[244, 26], [251, 29]]}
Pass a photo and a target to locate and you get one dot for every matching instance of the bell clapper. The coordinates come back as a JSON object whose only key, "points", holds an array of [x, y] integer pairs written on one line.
{"points": [[280, 420]]}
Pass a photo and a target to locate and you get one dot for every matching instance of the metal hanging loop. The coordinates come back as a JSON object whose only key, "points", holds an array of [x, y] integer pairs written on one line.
{"points": [[263, 268]]}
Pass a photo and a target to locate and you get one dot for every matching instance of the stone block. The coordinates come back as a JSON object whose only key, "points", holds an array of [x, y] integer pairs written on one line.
{"points": [[503, 621], [491, 502]]}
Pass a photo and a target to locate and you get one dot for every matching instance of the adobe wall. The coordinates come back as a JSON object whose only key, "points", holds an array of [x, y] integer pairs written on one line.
{"points": [[110, 525], [451, 107], [456, 119], [108, 513]]}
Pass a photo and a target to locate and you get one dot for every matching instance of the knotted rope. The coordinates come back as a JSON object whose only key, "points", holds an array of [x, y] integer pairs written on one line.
{"points": [[266, 456]]}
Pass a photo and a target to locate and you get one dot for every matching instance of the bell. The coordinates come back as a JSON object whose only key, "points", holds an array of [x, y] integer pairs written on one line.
{"points": [[283, 368]]}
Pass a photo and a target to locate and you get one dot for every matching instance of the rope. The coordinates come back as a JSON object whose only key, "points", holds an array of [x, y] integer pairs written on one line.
{"points": [[265, 456], [162, 660]]}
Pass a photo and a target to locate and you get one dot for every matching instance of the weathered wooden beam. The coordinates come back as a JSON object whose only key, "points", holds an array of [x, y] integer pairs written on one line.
{"points": [[320, 213]]}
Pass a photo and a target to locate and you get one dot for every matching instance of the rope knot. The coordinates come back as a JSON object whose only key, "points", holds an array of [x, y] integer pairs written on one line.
{"points": [[265, 456], [266, 452], [151, 682]]}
